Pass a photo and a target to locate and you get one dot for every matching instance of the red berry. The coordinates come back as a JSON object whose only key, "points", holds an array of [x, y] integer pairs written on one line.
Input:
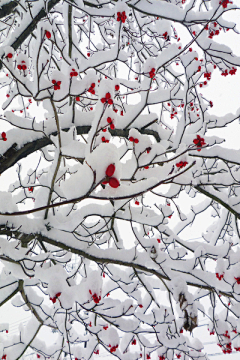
{"points": [[136, 141], [9, 55], [48, 34], [109, 120], [131, 139], [108, 96], [110, 170], [110, 101], [113, 182], [117, 87], [88, 54], [112, 126]]}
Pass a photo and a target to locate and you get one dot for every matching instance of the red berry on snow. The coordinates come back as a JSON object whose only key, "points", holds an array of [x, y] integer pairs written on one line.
{"points": [[113, 182], [110, 170], [48, 34]]}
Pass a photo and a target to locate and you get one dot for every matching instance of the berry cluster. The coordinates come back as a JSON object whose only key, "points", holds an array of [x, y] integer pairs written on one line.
{"points": [[199, 142], [237, 280], [54, 299], [134, 342], [56, 84], [107, 99], [91, 89], [231, 72], [112, 181], [95, 298], [96, 352], [207, 75], [225, 3], [73, 73], [113, 348], [181, 164], [133, 140], [104, 140], [4, 136], [121, 16], [22, 66], [110, 122], [219, 277], [152, 73], [165, 35]]}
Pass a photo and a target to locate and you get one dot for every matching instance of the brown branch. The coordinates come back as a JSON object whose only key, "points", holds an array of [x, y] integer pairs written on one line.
{"points": [[13, 154]]}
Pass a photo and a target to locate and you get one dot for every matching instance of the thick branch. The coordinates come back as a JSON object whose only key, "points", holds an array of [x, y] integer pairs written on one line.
{"points": [[13, 154], [6, 9]]}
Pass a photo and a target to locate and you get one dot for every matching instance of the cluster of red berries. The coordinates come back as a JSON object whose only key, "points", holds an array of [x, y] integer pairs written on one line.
{"points": [[91, 89], [219, 277], [110, 122], [225, 3], [228, 349], [30, 189], [113, 348], [56, 84], [54, 299], [213, 33], [165, 35], [96, 352], [107, 99], [4, 136], [73, 73], [181, 164], [152, 73], [199, 141], [95, 298], [133, 140], [212, 332], [48, 34], [4, 357], [231, 72], [207, 75], [121, 16], [134, 342], [173, 113], [104, 140], [22, 66], [237, 280], [112, 181]]}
